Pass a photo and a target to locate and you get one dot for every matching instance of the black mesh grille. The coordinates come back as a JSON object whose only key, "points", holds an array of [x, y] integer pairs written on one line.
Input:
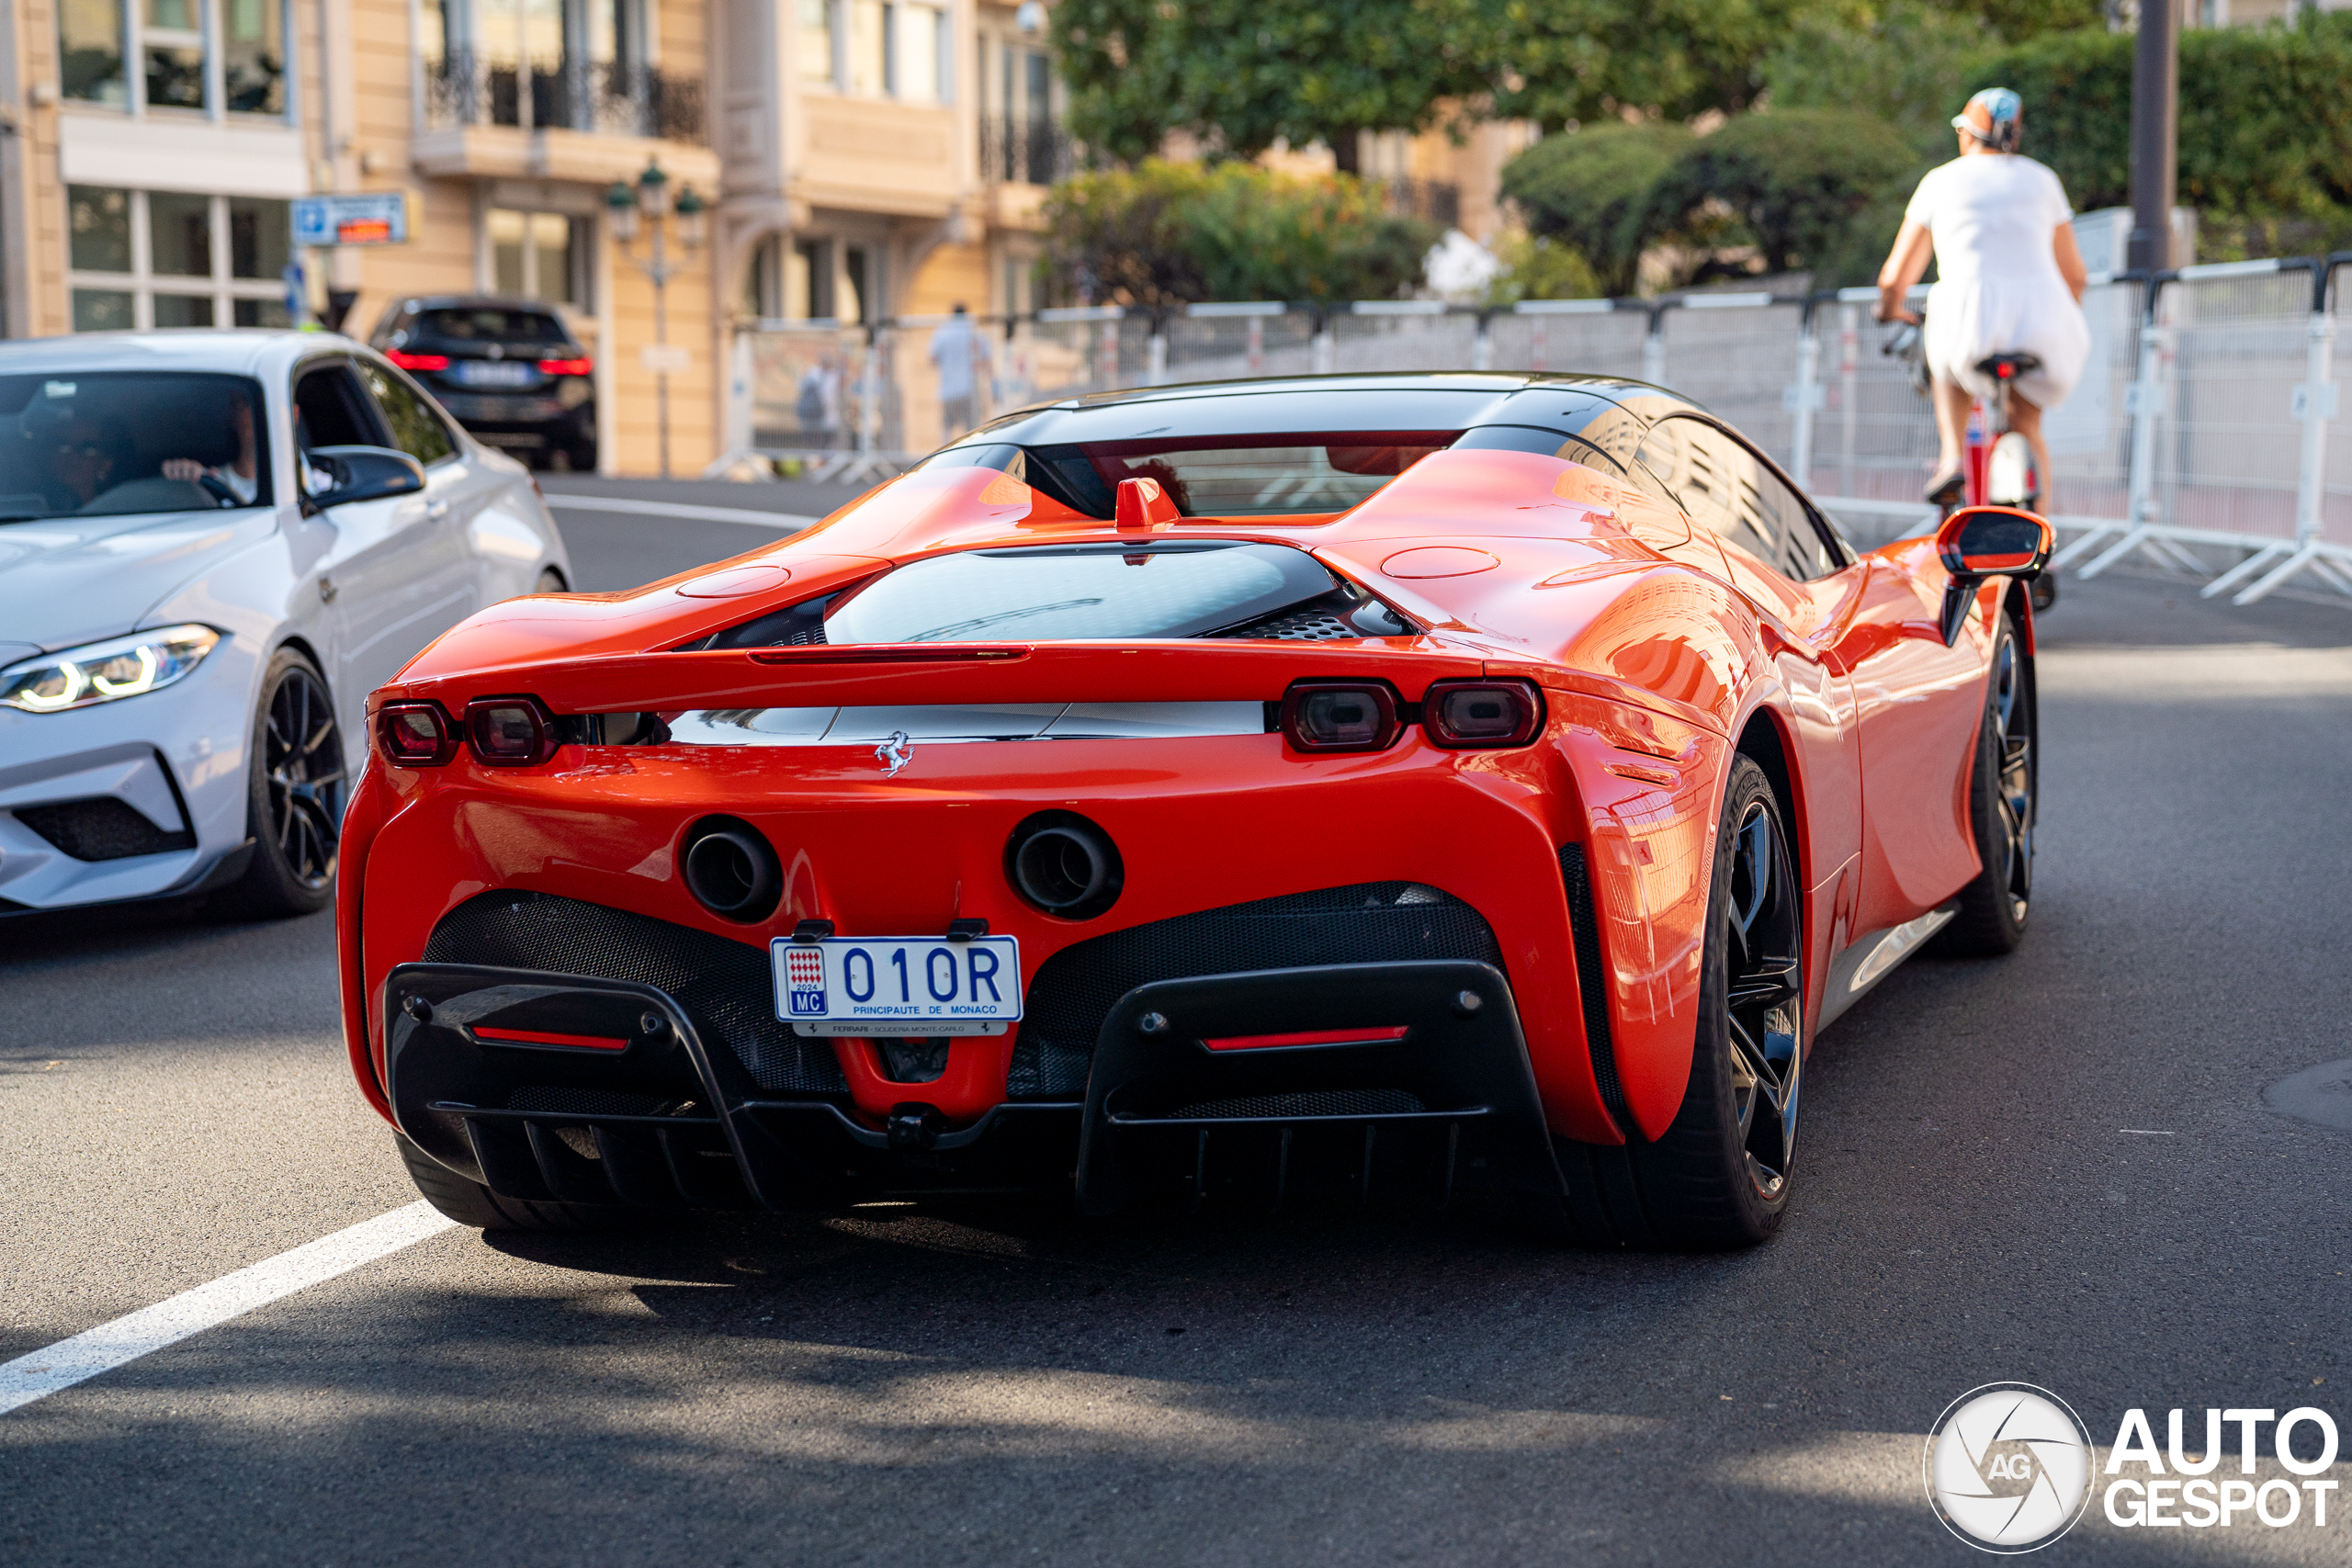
{"points": [[102, 828], [1332, 1103], [1372, 923], [585, 1101], [1592, 984], [725, 986], [1297, 626]]}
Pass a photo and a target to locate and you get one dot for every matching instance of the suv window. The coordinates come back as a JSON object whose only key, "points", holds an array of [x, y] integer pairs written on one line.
{"points": [[486, 325], [416, 429]]}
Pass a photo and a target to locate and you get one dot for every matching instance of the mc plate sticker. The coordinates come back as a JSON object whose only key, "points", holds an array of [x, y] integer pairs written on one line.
{"points": [[898, 985]]}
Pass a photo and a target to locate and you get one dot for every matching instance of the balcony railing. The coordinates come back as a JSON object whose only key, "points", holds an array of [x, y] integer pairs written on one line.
{"points": [[1024, 149], [1440, 204], [465, 88]]}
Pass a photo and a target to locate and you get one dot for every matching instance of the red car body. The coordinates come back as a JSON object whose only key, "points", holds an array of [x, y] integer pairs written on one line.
{"points": [[1661, 648]]}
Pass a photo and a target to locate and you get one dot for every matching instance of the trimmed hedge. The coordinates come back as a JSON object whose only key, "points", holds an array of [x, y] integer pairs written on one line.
{"points": [[2265, 115]]}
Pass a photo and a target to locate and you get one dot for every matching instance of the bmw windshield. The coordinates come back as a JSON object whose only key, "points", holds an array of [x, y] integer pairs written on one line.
{"points": [[111, 443]]}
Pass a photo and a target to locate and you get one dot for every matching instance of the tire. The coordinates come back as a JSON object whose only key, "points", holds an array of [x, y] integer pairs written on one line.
{"points": [[2044, 591], [295, 789], [471, 1203], [550, 581], [1720, 1174], [2004, 798]]}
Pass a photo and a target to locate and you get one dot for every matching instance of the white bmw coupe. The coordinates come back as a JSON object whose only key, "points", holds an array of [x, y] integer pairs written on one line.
{"points": [[213, 545]]}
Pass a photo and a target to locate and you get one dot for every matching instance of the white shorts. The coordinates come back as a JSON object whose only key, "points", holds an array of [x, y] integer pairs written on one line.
{"points": [[1970, 320]]}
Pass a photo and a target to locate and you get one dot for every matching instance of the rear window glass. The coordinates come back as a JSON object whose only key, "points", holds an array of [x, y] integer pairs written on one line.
{"points": [[116, 441], [485, 324], [1060, 593], [1252, 475]]}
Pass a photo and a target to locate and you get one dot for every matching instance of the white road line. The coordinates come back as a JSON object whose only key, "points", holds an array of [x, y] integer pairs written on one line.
{"points": [[108, 1346], [785, 522]]}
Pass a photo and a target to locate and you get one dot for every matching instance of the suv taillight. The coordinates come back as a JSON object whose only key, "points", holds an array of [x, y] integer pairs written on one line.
{"points": [[414, 735], [417, 361], [566, 366]]}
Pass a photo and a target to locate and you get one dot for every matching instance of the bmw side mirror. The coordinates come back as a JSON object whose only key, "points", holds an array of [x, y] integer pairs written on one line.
{"points": [[1978, 542], [337, 475]]}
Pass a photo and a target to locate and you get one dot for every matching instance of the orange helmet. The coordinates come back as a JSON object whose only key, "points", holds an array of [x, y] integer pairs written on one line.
{"points": [[1994, 117]]}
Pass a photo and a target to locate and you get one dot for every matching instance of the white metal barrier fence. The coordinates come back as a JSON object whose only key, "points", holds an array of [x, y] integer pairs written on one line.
{"points": [[2201, 434]]}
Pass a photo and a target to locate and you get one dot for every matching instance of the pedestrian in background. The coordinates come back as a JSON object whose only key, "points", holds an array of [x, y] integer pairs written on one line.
{"points": [[819, 405], [959, 351]]}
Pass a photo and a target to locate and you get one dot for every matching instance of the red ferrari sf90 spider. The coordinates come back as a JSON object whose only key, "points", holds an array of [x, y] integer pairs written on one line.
{"points": [[1385, 786]]}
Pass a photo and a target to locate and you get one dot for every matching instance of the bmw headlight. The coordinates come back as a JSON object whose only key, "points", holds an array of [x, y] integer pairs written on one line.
{"points": [[105, 672]]}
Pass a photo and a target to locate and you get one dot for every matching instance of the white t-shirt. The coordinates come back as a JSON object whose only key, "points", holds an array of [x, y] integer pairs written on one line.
{"points": [[1993, 217]]}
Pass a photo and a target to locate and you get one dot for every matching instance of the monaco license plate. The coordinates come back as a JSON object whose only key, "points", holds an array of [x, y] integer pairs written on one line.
{"points": [[490, 373], [898, 985]]}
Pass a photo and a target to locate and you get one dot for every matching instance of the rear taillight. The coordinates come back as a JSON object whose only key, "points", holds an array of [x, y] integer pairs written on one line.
{"points": [[417, 361], [566, 366], [510, 732], [414, 735], [1467, 714], [1340, 716]]}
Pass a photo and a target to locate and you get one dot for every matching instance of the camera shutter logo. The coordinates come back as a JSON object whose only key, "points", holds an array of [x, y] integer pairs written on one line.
{"points": [[2008, 1467], [804, 973]]}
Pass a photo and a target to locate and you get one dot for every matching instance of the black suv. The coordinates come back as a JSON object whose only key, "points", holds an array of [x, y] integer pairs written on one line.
{"points": [[509, 370]]}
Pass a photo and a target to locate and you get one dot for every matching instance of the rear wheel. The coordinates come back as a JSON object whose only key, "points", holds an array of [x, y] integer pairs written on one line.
{"points": [[471, 1203], [1719, 1176], [294, 809], [2003, 799]]}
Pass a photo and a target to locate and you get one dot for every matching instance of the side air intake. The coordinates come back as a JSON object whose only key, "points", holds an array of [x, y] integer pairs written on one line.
{"points": [[1592, 984]]}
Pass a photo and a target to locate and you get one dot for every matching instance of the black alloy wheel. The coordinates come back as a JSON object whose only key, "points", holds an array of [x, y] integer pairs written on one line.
{"points": [[302, 761], [295, 811], [1764, 1002], [2003, 799], [1719, 1176]]}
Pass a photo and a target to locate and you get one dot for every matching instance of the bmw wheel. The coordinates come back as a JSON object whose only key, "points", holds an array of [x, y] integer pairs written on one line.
{"points": [[294, 810]]}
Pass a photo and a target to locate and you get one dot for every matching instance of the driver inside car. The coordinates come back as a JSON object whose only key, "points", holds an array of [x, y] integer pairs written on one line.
{"points": [[239, 476], [81, 459]]}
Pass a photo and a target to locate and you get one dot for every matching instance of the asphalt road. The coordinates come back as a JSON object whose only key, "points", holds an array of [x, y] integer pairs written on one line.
{"points": [[1001, 1384]]}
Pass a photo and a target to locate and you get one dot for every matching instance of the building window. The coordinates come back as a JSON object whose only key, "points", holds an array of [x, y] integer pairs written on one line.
{"points": [[537, 255], [869, 70], [176, 42], [253, 57], [143, 259], [89, 45], [919, 55], [812, 42]]}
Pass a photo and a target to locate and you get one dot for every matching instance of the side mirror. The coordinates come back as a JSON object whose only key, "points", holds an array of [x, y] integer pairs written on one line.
{"points": [[357, 473], [1978, 542]]}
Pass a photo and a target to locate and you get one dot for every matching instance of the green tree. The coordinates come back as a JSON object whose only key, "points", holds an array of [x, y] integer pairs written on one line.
{"points": [[1591, 191], [1904, 62], [1802, 181], [1566, 62], [1242, 74], [1166, 233]]}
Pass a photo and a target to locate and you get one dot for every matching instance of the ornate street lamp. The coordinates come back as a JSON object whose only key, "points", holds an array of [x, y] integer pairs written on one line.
{"points": [[649, 205]]}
